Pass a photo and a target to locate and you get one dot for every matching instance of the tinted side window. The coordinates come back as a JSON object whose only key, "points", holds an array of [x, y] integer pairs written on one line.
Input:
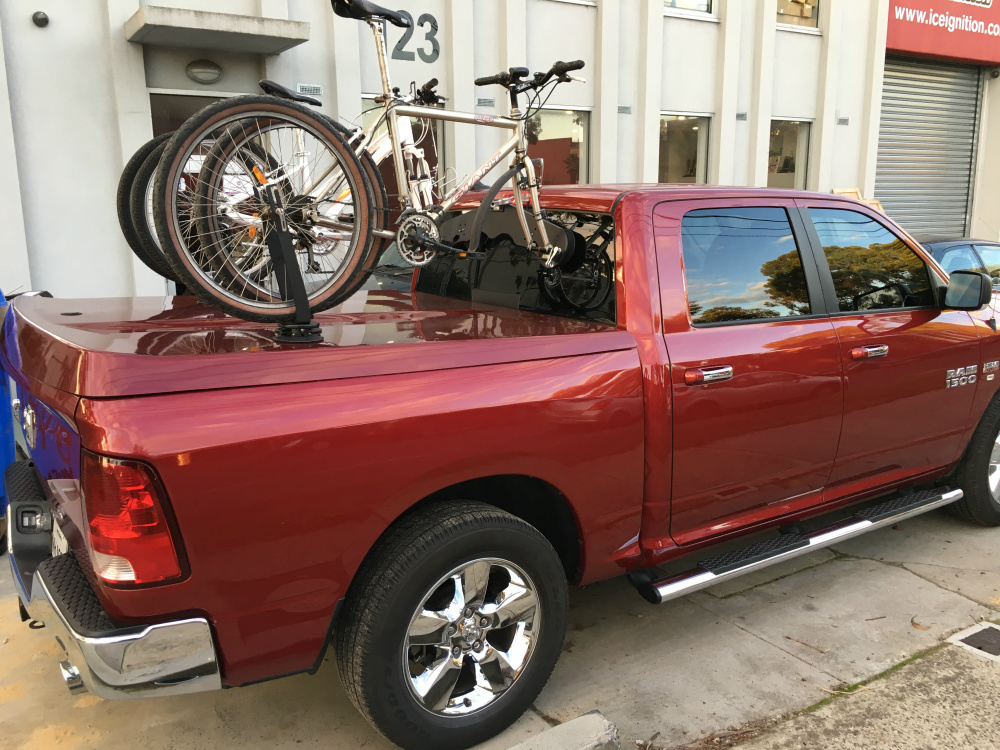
{"points": [[872, 268], [742, 264], [958, 258]]}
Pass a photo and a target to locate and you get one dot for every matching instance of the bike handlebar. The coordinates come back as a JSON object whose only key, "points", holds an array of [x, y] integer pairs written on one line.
{"points": [[510, 77], [562, 68]]}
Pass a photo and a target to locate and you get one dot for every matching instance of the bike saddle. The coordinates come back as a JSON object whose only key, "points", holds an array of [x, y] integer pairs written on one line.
{"points": [[276, 89], [365, 10]]}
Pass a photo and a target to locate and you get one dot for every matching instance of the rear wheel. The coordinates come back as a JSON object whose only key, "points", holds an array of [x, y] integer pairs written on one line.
{"points": [[452, 626], [131, 175], [314, 168], [141, 211], [978, 473]]}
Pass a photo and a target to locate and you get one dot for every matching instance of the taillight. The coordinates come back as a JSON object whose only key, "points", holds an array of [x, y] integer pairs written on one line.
{"points": [[130, 540]]}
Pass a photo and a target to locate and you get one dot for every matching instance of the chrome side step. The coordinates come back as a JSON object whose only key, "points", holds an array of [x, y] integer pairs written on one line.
{"points": [[756, 556]]}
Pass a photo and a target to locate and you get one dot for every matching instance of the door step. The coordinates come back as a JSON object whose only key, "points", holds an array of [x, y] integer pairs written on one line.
{"points": [[756, 556]]}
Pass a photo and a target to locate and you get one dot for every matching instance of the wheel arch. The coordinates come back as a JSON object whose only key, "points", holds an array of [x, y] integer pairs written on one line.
{"points": [[529, 498]]}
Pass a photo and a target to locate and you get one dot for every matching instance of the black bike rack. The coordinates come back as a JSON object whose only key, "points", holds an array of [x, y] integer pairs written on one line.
{"points": [[303, 330]]}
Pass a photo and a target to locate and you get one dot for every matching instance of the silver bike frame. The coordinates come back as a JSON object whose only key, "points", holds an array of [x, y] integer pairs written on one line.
{"points": [[416, 194]]}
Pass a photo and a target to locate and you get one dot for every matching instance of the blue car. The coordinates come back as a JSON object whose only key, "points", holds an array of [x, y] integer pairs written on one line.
{"points": [[6, 428]]}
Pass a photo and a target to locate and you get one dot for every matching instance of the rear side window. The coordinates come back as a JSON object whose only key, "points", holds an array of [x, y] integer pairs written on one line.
{"points": [[742, 264], [872, 268]]}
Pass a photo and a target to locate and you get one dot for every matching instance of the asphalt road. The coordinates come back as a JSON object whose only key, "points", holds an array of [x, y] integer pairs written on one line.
{"points": [[689, 672]]}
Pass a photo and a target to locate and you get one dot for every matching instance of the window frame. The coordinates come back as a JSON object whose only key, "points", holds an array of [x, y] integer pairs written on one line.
{"points": [[814, 286], [937, 283], [709, 117], [586, 143], [694, 15]]}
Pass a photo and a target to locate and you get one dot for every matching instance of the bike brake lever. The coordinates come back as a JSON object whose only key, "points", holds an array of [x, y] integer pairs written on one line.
{"points": [[578, 80]]}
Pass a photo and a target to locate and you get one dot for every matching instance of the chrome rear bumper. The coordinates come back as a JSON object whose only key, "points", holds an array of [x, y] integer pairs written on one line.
{"points": [[170, 658], [108, 658]]}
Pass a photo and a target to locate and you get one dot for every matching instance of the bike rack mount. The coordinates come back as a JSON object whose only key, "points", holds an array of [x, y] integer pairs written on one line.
{"points": [[303, 329]]}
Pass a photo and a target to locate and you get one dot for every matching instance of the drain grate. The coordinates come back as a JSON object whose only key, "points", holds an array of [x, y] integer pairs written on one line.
{"points": [[987, 640]]}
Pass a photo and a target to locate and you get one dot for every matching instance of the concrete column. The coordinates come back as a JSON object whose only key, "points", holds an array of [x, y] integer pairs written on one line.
{"points": [[878, 25], [460, 146], [15, 275], [605, 138], [346, 56], [722, 150], [650, 39], [821, 156], [762, 88], [986, 197], [513, 34], [135, 122]]}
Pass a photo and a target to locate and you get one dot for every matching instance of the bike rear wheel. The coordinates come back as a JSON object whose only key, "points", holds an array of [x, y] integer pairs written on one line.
{"points": [[141, 212], [132, 175], [244, 144]]}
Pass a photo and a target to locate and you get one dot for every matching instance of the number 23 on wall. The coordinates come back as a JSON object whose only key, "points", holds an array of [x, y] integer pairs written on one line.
{"points": [[399, 52]]}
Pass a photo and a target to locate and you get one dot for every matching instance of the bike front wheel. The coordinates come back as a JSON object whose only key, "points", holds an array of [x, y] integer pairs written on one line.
{"points": [[241, 147]]}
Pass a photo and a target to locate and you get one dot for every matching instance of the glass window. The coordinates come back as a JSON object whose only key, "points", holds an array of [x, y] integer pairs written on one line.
{"points": [[683, 148], [958, 258], [170, 111], [872, 268], [787, 154], [702, 5], [562, 139], [742, 264], [991, 257], [512, 275], [798, 12]]}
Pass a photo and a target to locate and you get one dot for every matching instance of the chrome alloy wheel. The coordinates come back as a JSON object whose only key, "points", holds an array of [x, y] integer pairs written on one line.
{"points": [[994, 471], [472, 637]]}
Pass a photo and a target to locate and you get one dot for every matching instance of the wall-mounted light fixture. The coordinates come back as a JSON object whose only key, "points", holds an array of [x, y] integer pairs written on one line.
{"points": [[204, 72]]}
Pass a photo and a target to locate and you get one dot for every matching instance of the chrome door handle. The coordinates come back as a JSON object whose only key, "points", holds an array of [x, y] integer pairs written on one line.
{"points": [[708, 375], [870, 352]]}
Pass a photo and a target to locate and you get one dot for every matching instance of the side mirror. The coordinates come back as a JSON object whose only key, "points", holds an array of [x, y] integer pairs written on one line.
{"points": [[968, 290]]}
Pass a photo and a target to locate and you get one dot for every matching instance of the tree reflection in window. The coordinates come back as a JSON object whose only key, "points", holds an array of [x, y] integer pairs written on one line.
{"points": [[742, 264], [872, 268]]}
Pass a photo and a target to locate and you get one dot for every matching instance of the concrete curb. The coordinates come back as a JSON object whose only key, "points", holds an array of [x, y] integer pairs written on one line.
{"points": [[588, 732]]}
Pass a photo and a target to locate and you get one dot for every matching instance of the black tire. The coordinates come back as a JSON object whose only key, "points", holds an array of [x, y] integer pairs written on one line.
{"points": [[392, 585], [152, 254], [978, 505], [216, 118], [124, 205]]}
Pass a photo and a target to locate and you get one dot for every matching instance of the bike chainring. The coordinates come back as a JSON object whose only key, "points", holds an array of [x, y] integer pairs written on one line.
{"points": [[412, 229]]}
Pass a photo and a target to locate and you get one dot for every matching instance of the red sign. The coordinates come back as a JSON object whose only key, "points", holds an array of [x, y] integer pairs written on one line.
{"points": [[962, 30]]}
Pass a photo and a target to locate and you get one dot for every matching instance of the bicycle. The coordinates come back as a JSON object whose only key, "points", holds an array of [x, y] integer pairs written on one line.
{"points": [[319, 182]]}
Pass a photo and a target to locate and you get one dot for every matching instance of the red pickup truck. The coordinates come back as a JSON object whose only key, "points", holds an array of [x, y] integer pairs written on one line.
{"points": [[206, 508]]}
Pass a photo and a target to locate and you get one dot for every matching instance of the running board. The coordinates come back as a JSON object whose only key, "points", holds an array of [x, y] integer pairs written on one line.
{"points": [[731, 564]]}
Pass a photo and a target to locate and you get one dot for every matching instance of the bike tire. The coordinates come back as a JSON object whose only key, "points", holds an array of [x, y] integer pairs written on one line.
{"points": [[215, 118], [153, 254], [123, 203]]}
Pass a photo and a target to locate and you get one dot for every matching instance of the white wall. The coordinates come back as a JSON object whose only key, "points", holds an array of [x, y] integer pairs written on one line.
{"points": [[67, 147]]}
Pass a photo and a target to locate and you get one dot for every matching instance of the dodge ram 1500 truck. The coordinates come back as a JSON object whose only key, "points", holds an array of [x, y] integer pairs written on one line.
{"points": [[716, 376]]}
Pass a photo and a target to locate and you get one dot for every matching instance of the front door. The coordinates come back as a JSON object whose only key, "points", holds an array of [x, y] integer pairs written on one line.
{"points": [[755, 365], [903, 414]]}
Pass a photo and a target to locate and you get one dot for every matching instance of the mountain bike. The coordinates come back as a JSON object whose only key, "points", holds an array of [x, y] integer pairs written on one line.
{"points": [[319, 183]]}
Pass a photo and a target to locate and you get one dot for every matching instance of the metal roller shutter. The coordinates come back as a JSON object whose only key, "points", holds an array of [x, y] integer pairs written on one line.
{"points": [[927, 144]]}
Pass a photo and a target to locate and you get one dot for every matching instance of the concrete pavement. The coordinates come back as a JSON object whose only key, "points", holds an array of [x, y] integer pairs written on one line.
{"points": [[741, 654]]}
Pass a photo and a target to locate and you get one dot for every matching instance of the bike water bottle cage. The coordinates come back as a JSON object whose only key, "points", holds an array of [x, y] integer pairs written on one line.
{"points": [[363, 10], [276, 89]]}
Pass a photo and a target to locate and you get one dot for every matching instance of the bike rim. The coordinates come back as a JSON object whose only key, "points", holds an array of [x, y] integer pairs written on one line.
{"points": [[471, 637], [259, 299]]}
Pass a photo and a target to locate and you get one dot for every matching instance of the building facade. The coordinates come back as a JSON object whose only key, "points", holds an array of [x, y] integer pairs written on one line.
{"points": [[892, 97]]}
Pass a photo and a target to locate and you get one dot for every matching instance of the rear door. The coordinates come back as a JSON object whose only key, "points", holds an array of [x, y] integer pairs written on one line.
{"points": [[754, 364], [910, 367]]}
